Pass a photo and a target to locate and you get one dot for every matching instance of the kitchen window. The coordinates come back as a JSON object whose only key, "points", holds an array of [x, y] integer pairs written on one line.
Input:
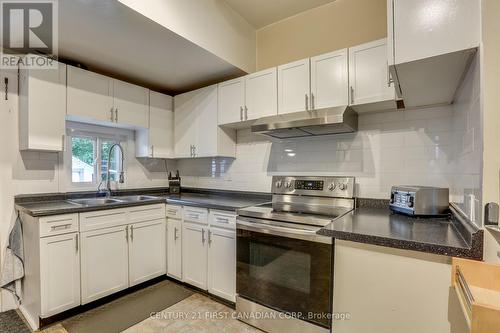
{"points": [[89, 158]]}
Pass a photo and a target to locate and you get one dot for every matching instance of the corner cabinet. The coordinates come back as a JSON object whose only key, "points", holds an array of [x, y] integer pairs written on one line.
{"points": [[157, 141], [196, 129], [42, 108]]}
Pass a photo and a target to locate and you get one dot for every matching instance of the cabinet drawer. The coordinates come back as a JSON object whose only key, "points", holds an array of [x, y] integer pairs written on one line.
{"points": [[174, 212], [197, 215], [146, 213], [103, 219], [222, 219], [59, 224]]}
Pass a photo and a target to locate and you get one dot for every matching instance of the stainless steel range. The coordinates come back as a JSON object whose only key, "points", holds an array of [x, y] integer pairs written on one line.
{"points": [[284, 269]]}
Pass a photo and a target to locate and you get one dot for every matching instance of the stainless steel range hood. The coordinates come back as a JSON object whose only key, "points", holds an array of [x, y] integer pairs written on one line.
{"points": [[341, 119]]}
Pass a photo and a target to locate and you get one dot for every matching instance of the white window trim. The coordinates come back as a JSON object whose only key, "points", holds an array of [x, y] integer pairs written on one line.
{"points": [[92, 131]]}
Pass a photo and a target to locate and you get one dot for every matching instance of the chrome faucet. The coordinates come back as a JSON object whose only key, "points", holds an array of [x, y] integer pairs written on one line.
{"points": [[121, 178]]}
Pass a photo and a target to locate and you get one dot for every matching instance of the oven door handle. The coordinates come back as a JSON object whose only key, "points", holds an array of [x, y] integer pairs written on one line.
{"points": [[254, 225]]}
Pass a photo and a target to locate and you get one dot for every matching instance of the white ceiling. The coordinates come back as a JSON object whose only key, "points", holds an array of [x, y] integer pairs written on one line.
{"points": [[260, 13], [108, 37]]}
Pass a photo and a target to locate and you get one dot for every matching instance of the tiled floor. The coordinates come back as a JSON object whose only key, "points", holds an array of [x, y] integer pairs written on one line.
{"points": [[196, 313]]}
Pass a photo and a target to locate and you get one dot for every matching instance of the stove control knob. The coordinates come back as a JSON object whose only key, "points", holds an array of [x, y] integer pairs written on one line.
{"points": [[331, 187], [342, 186], [279, 183]]}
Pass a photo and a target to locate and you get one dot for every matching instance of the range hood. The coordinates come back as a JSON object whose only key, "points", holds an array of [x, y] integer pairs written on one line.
{"points": [[340, 119]]}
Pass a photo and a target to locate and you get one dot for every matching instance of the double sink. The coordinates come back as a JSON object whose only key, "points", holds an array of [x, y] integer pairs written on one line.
{"points": [[93, 202]]}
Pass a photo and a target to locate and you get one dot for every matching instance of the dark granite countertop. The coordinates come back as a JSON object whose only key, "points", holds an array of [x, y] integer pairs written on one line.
{"points": [[59, 203], [377, 225]]}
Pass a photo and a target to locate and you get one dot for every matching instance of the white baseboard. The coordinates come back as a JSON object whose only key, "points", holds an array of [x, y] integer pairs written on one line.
{"points": [[34, 323]]}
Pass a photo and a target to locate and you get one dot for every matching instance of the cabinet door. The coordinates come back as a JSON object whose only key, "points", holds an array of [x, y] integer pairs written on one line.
{"points": [[207, 128], [42, 116], [231, 101], [293, 87], [369, 73], [147, 251], [161, 125], [185, 122], [59, 273], [329, 80], [174, 251], [222, 263], [104, 264], [89, 95], [131, 104], [194, 255], [427, 28], [261, 94]]}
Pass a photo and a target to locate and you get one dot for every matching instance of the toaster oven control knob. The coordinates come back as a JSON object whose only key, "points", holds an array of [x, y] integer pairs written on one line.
{"points": [[410, 202], [331, 187], [342, 186], [288, 184], [279, 183]]}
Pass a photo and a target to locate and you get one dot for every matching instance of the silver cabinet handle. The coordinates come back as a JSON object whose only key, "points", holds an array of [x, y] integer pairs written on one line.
{"points": [[112, 115], [116, 115], [152, 150], [175, 234], [64, 142], [194, 216], [307, 102], [76, 243], [226, 220], [126, 233], [352, 95], [194, 151], [390, 80], [203, 236], [241, 113], [171, 211], [62, 226], [209, 237], [246, 113], [132, 233], [312, 101]]}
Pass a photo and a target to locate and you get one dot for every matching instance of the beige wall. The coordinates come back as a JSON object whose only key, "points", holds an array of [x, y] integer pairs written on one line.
{"points": [[491, 116], [334, 26]]}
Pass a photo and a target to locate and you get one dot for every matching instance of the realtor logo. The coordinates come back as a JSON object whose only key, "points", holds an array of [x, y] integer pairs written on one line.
{"points": [[28, 30]]}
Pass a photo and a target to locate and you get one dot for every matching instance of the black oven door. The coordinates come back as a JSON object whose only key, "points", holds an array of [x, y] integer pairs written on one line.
{"points": [[287, 271]]}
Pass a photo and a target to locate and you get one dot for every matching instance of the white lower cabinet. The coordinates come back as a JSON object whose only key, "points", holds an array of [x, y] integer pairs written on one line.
{"points": [[194, 254], [174, 251], [147, 251], [59, 273], [208, 242], [222, 263], [104, 262]]}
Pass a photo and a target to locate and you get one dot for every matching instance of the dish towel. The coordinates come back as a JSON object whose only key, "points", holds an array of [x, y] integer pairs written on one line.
{"points": [[13, 261]]}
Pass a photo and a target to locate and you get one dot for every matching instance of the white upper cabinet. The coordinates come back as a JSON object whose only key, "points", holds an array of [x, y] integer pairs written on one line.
{"points": [[90, 95], [100, 99], [131, 104], [196, 129], [329, 80], [42, 105], [158, 140], [231, 101], [248, 98], [261, 94], [369, 73], [431, 43], [293, 87]]}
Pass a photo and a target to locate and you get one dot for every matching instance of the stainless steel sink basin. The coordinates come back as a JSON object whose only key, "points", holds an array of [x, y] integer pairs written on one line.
{"points": [[95, 201], [132, 198]]}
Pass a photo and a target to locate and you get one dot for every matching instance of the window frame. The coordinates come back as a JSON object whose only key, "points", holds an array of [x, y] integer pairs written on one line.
{"points": [[99, 134]]}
